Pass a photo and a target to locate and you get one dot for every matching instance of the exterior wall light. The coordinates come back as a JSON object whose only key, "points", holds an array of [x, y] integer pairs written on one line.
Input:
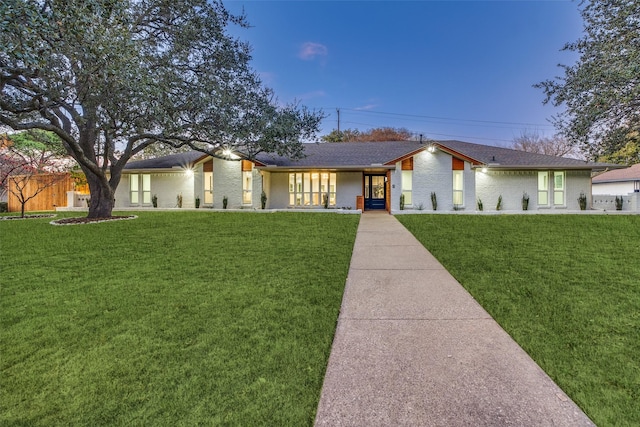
{"points": [[484, 169], [188, 173], [432, 148]]}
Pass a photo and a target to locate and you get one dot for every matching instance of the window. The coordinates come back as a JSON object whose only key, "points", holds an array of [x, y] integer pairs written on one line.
{"points": [[543, 188], [208, 188], [136, 183], [134, 195], [247, 183], [407, 186], [458, 188], [551, 186], [312, 189], [558, 188]]}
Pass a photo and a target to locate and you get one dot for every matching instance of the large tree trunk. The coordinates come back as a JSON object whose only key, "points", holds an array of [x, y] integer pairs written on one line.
{"points": [[102, 196]]}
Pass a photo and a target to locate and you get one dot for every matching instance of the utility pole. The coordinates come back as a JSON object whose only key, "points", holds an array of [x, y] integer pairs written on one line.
{"points": [[338, 111]]}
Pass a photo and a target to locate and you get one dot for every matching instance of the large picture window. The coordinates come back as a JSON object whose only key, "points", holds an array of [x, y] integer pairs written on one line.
{"points": [[312, 189]]}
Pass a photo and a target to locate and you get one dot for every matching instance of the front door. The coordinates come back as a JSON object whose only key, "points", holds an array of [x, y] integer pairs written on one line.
{"points": [[374, 192]]}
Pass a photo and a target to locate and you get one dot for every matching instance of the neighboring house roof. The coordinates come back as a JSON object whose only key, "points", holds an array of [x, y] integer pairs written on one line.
{"points": [[358, 155], [631, 173], [178, 160]]}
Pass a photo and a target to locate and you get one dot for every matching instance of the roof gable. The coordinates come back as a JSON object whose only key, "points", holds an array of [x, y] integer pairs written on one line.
{"points": [[178, 160]]}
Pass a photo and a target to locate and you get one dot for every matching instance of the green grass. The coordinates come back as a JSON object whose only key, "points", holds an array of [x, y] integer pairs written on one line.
{"points": [[175, 318], [565, 287]]}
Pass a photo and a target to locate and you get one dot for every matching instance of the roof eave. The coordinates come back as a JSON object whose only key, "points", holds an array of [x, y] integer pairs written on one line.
{"points": [[537, 167], [276, 168]]}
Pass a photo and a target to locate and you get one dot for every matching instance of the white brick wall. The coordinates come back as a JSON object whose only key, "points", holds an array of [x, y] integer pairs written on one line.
{"points": [[631, 202], [433, 172], [512, 184], [349, 185], [227, 181], [166, 186]]}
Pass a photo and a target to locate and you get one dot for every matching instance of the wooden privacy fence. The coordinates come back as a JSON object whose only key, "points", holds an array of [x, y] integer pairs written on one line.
{"points": [[55, 193]]}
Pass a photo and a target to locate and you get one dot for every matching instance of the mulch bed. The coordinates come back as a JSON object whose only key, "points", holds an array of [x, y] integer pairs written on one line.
{"points": [[28, 216], [85, 220]]}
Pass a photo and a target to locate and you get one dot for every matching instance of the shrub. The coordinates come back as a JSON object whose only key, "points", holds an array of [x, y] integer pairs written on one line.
{"points": [[619, 202], [263, 199], [525, 201], [582, 201], [434, 201]]}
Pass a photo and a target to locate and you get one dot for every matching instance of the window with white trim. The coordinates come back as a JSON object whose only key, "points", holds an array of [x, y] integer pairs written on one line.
{"points": [[407, 186], [247, 185], [208, 188], [139, 189], [458, 188], [543, 188], [559, 184], [312, 189]]}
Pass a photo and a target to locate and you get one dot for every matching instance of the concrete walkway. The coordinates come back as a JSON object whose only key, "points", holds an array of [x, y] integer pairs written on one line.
{"points": [[413, 348]]}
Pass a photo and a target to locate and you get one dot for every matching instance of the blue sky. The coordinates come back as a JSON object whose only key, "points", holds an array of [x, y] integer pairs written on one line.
{"points": [[447, 69]]}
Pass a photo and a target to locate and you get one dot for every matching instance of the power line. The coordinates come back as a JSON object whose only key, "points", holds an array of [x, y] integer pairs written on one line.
{"points": [[418, 116], [427, 133]]}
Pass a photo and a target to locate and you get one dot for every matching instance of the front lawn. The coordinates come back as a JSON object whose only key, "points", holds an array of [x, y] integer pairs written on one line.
{"points": [[174, 318], [565, 287]]}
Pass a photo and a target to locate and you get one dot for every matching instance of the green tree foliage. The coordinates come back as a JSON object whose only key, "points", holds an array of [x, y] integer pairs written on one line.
{"points": [[601, 92], [37, 139], [628, 154], [112, 78], [381, 134]]}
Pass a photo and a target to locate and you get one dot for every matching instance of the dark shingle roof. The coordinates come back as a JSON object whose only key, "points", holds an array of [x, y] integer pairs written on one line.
{"points": [[359, 155], [345, 154], [507, 157], [167, 162]]}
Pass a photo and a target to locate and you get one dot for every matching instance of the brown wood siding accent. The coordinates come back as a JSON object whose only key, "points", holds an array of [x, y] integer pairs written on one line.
{"points": [[457, 164], [406, 156], [407, 164], [387, 201], [207, 166], [247, 166], [48, 199]]}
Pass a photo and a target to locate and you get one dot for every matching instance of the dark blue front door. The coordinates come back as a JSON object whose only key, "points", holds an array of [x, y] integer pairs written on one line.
{"points": [[374, 192]]}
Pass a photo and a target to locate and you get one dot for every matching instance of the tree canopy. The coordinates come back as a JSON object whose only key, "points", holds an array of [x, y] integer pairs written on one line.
{"points": [[381, 134], [556, 145], [111, 78], [601, 92]]}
